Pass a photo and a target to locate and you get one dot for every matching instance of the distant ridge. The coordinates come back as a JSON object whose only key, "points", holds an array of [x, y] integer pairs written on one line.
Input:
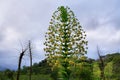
{"points": [[2, 68]]}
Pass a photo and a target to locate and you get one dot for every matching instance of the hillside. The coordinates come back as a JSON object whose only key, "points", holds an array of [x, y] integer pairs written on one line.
{"points": [[42, 69]]}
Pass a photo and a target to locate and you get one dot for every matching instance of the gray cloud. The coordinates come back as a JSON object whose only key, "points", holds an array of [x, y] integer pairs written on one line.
{"points": [[94, 13], [1, 37]]}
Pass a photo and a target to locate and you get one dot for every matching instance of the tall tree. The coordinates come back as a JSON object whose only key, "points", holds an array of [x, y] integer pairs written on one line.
{"points": [[65, 41]]}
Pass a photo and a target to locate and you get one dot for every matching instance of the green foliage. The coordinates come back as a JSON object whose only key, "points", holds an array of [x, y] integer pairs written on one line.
{"points": [[86, 69], [110, 57], [38, 68], [83, 71], [64, 15], [114, 61], [109, 71], [7, 75], [54, 74], [96, 71], [2, 76], [116, 67], [65, 42], [112, 69]]}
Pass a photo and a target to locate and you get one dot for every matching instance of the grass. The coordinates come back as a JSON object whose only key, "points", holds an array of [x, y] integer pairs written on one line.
{"points": [[26, 77], [36, 77]]}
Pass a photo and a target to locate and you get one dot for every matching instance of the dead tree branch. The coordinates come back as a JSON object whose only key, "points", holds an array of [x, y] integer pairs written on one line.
{"points": [[19, 63], [30, 52], [101, 65]]}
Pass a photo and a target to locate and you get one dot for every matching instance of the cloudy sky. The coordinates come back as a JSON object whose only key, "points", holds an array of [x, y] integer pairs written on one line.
{"points": [[23, 20]]}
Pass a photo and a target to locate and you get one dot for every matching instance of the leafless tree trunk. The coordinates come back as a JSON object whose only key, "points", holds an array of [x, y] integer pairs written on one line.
{"points": [[101, 65], [30, 52], [19, 63]]}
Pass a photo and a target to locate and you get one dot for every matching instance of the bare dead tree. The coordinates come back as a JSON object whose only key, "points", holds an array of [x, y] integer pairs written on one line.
{"points": [[19, 63], [30, 52], [101, 65]]}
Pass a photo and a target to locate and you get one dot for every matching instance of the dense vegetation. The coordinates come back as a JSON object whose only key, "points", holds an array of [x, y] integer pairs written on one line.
{"points": [[42, 71]]}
